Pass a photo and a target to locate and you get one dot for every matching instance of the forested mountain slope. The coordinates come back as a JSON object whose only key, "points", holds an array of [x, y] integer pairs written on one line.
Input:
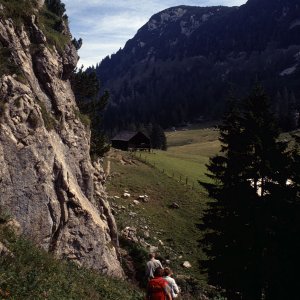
{"points": [[182, 62]]}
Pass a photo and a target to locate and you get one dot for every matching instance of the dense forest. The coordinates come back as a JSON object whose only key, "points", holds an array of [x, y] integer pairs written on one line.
{"points": [[181, 64]]}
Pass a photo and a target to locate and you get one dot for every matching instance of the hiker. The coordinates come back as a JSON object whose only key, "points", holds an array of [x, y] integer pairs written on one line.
{"points": [[152, 264], [158, 288], [171, 281]]}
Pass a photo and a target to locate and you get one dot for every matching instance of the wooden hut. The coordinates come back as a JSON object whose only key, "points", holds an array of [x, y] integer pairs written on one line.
{"points": [[131, 140]]}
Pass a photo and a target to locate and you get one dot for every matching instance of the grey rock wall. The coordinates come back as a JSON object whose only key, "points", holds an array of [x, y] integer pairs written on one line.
{"points": [[47, 180]]}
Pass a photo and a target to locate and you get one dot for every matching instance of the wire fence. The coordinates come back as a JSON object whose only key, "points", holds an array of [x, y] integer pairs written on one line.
{"points": [[175, 175]]}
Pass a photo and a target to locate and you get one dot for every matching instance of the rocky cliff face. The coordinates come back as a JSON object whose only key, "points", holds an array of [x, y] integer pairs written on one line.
{"points": [[47, 180]]}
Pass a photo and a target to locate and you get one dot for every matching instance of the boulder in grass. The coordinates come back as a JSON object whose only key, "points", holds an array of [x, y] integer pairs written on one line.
{"points": [[186, 264], [174, 205]]}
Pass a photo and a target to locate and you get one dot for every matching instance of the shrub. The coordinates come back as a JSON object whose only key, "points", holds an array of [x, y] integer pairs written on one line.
{"points": [[56, 7], [49, 121], [51, 25]]}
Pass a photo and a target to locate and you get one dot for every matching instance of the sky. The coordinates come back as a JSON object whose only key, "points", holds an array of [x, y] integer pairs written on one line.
{"points": [[106, 25]]}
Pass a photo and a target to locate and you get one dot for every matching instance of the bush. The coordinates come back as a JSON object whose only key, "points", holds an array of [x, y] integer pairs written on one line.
{"points": [[51, 25], [48, 119], [56, 7]]}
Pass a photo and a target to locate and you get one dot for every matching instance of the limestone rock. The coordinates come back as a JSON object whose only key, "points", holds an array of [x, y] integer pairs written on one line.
{"points": [[186, 264], [4, 251], [47, 181], [174, 205]]}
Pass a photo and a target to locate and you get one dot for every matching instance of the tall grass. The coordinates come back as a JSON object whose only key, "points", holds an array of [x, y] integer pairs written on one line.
{"points": [[50, 25], [34, 274]]}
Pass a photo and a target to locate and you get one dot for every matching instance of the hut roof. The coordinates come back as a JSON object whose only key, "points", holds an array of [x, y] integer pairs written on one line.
{"points": [[126, 135]]}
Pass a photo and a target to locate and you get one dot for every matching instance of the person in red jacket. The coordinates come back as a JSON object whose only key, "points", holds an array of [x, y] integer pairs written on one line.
{"points": [[158, 288]]}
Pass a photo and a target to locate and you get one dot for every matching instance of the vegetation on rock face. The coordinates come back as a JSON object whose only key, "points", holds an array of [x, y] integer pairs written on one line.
{"points": [[52, 25], [51, 19], [49, 120], [250, 225], [7, 64], [56, 6], [17, 10]]}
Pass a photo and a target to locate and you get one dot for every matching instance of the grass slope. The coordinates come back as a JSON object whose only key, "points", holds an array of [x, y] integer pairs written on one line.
{"points": [[34, 274], [173, 231]]}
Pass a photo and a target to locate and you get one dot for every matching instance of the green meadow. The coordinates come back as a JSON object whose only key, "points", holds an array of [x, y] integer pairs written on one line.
{"points": [[188, 152]]}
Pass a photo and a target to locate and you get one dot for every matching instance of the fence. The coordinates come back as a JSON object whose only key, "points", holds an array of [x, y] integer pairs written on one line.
{"points": [[183, 179]]}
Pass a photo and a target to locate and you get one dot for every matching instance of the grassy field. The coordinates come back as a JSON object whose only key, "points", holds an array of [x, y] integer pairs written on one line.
{"points": [[188, 152], [173, 231]]}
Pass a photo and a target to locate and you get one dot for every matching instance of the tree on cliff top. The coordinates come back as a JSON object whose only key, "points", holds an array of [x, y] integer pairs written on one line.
{"points": [[56, 6]]}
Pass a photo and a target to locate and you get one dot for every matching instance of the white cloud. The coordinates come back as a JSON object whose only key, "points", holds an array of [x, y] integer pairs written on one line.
{"points": [[105, 26]]}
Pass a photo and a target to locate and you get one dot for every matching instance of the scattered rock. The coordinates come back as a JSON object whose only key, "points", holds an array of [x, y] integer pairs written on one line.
{"points": [[136, 202], [146, 234], [153, 249], [174, 205], [129, 233], [143, 198], [186, 264], [132, 214], [160, 242], [4, 251], [126, 195]]}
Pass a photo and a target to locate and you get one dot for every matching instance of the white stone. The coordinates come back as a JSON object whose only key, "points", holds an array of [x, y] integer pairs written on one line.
{"points": [[186, 264]]}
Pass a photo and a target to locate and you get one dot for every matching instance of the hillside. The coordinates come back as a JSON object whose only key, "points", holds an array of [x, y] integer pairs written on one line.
{"points": [[182, 62], [166, 219], [27, 272]]}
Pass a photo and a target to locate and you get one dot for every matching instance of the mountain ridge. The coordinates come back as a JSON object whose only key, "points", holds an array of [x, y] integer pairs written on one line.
{"points": [[203, 51]]}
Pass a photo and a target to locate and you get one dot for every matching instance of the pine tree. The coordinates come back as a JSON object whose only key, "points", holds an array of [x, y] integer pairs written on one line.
{"points": [[86, 88], [158, 138], [249, 169], [284, 234]]}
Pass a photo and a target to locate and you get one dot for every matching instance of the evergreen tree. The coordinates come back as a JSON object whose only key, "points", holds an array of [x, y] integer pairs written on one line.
{"points": [[86, 88], [249, 169], [158, 138], [284, 235], [56, 6]]}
